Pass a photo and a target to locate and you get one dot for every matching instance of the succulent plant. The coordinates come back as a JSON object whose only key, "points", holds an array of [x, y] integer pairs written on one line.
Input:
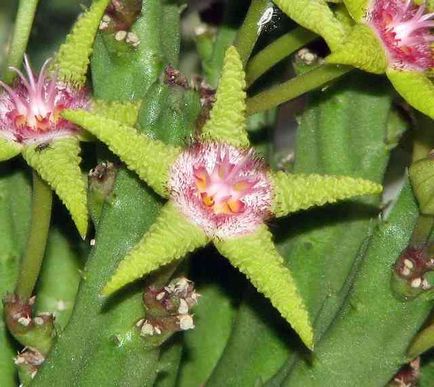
{"points": [[173, 113]]}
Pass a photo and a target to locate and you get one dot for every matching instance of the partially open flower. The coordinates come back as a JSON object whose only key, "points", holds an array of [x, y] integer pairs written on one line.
{"points": [[405, 31], [30, 111], [223, 189]]}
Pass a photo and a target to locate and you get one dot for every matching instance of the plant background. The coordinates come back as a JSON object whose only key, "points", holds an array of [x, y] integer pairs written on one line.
{"points": [[341, 255]]}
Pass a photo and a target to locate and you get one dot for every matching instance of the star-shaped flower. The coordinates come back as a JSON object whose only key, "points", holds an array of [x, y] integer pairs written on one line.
{"points": [[389, 36], [31, 121], [219, 191]]}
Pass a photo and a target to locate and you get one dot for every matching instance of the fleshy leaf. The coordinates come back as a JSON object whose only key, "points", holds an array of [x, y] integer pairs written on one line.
{"points": [[421, 175], [423, 342], [8, 149], [72, 60], [256, 256], [293, 192], [125, 112], [151, 159], [315, 15], [168, 239], [227, 120], [357, 8], [363, 50], [416, 88], [58, 163]]}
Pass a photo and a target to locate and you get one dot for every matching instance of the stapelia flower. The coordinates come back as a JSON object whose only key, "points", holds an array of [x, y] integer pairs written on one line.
{"points": [[393, 37], [388, 36], [31, 122], [219, 191]]}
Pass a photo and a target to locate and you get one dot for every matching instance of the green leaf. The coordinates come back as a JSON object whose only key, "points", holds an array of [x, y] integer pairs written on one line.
{"points": [[227, 121], [256, 256], [416, 88], [59, 165], [315, 15], [72, 60], [294, 192], [125, 112], [168, 239], [363, 50], [8, 149], [138, 151], [357, 8]]}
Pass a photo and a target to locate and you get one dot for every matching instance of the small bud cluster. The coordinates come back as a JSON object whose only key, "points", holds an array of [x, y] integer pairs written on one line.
{"points": [[19, 314], [119, 18], [413, 264], [308, 57], [168, 309], [28, 362], [407, 376], [35, 333], [102, 177]]}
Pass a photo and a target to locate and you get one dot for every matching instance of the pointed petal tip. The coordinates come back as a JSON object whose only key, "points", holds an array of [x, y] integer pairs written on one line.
{"points": [[227, 122]]}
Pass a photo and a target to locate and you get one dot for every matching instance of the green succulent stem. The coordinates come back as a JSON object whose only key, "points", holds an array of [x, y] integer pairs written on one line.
{"points": [[295, 87], [278, 50], [422, 230], [249, 32], [40, 224], [23, 27]]}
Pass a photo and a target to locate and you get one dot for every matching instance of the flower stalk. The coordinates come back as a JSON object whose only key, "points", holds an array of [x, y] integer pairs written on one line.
{"points": [[276, 51], [295, 87], [250, 29], [40, 224], [23, 26]]}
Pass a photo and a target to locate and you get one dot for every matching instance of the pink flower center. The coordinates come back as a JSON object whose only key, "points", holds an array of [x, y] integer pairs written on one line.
{"points": [[31, 109], [38, 109], [405, 30], [222, 190]]}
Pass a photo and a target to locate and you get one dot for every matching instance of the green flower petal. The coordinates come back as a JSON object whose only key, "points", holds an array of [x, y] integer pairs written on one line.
{"points": [[363, 50], [256, 256], [125, 112], [151, 159], [8, 149], [169, 238], [59, 165], [357, 8], [72, 60], [295, 192], [416, 88], [315, 15], [227, 121]]}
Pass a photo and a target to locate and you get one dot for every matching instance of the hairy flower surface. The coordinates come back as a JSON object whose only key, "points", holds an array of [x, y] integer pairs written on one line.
{"points": [[405, 31], [30, 111], [221, 188]]}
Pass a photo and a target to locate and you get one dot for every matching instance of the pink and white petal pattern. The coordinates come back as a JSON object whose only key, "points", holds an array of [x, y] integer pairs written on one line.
{"points": [[405, 30], [223, 189], [30, 110]]}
